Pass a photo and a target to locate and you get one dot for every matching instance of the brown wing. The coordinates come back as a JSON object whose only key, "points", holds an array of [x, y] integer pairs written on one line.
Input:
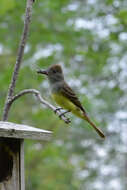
{"points": [[69, 93]]}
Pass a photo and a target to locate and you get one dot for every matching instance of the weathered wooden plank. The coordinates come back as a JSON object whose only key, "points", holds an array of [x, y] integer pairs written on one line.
{"points": [[13, 130], [14, 182], [21, 163]]}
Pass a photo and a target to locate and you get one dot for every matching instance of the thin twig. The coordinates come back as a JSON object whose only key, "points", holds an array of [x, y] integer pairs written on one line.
{"points": [[22, 44], [41, 100]]}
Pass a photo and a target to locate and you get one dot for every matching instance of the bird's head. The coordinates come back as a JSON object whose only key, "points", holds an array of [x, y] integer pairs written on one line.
{"points": [[54, 73]]}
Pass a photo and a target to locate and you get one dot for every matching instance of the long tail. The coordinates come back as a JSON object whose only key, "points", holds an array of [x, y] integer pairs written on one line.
{"points": [[100, 133]]}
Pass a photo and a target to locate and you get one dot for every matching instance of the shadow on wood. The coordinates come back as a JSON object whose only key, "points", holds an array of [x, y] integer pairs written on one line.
{"points": [[8, 148], [6, 162]]}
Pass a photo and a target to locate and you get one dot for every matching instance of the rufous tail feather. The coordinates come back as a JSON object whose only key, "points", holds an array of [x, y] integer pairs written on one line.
{"points": [[100, 133]]}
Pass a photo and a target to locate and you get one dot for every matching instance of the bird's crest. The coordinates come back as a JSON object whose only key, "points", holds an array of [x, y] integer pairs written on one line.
{"points": [[56, 68]]}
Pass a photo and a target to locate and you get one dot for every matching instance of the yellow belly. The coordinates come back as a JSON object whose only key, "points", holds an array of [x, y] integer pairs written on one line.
{"points": [[67, 104]]}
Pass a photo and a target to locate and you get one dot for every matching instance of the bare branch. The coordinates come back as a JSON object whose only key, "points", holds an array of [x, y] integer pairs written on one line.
{"points": [[41, 100], [22, 44]]}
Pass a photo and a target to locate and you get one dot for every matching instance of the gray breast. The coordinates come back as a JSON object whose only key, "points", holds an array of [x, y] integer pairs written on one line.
{"points": [[56, 87]]}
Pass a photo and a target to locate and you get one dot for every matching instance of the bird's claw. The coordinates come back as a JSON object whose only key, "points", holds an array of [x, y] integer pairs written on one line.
{"points": [[67, 119], [63, 114], [57, 109]]}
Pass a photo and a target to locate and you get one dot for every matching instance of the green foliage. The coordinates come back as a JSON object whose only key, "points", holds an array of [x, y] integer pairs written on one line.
{"points": [[6, 6], [89, 39]]}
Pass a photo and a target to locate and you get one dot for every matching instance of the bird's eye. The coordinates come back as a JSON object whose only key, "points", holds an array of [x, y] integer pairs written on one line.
{"points": [[54, 71]]}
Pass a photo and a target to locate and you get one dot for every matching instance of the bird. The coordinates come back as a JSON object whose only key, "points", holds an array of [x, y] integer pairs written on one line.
{"points": [[64, 96]]}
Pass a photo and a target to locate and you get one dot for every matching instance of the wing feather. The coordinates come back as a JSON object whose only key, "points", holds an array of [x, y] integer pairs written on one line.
{"points": [[70, 94]]}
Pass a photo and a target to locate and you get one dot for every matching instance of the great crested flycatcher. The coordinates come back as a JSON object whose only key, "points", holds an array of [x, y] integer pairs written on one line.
{"points": [[65, 96]]}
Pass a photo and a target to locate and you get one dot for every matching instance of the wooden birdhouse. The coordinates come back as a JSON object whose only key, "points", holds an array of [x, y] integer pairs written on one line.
{"points": [[12, 138]]}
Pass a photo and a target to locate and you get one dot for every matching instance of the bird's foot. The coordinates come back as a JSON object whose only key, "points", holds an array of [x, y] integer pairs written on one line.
{"points": [[63, 114], [67, 120], [58, 109]]}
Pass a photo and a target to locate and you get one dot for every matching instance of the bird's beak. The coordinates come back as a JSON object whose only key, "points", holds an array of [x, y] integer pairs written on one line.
{"points": [[44, 72]]}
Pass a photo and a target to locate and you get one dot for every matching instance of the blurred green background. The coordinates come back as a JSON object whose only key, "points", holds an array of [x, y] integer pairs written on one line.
{"points": [[89, 39]]}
